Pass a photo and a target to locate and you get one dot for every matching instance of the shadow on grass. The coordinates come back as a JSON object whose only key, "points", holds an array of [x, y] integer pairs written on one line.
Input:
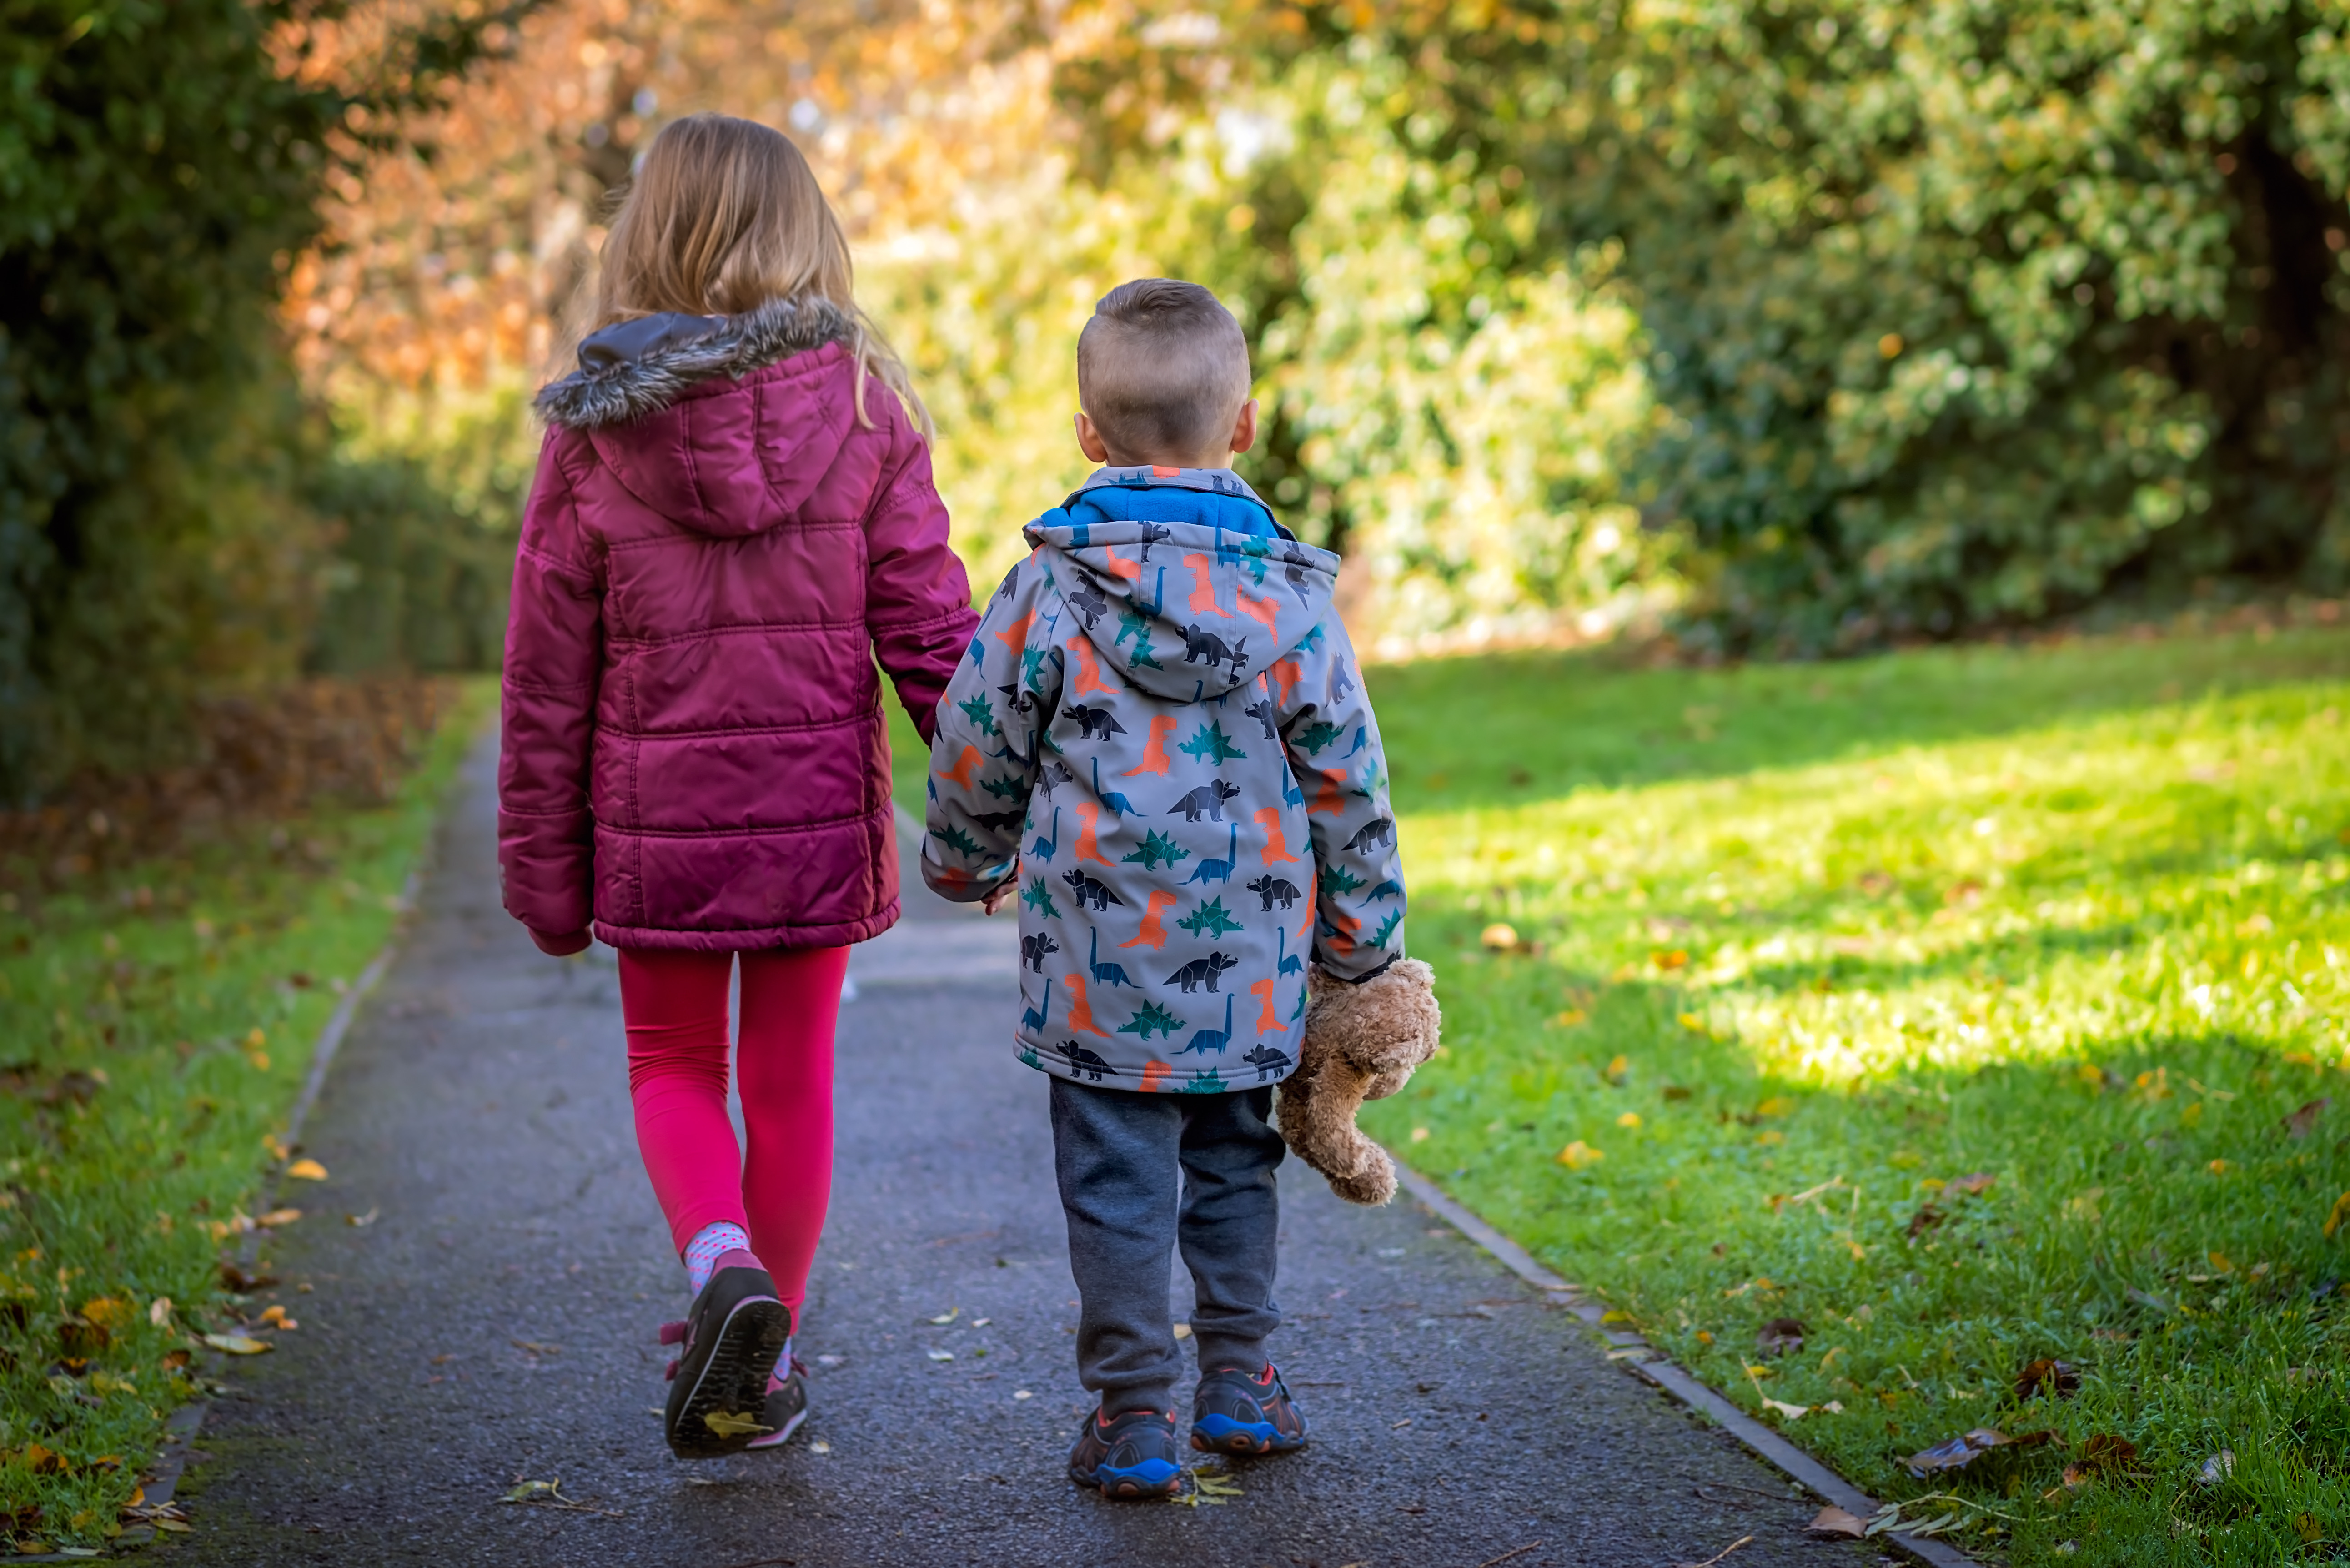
{"points": [[1512, 729]]}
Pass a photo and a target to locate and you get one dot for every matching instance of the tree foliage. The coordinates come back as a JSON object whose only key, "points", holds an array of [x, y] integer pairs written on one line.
{"points": [[161, 165], [1964, 313]]}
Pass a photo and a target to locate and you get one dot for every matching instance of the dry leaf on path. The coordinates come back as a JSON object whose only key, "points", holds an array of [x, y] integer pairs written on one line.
{"points": [[307, 1171], [356, 1221], [279, 1217], [238, 1343], [1791, 1412], [1834, 1521]]}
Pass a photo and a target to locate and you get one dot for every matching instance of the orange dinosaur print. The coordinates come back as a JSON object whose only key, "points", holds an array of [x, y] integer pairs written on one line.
{"points": [[1153, 934], [1328, 798], [1015, 636], [1089, 680], [1081, 1011], [1265, 611], [1203, 586], [1155, 1075], [960, 775], [1088, 848], [1268, 1021], [1154, 749], [1276, 853], [1286, 674], [1118, 566]]}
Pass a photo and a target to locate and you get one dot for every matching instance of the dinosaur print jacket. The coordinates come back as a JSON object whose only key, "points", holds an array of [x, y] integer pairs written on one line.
{"points": [[1161, 732]]}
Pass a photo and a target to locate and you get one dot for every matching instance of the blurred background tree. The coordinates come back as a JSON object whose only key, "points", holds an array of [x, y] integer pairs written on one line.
{"points": [[1798, 326]]}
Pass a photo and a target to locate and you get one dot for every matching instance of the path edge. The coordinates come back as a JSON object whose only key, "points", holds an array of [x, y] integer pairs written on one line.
{"points": [[1652, 1367], [185, 1424]]}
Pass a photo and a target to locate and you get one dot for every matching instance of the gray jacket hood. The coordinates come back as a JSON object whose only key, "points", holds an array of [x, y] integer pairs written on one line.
{"points": [[1197, 612]]}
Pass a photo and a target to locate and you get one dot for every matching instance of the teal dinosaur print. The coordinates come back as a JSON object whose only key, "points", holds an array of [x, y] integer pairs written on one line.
{"points": [[1032, 668], [1210, 921], [1038, 896], [1157, 846], [1211, 745], [1152, 1016], [1318, 734], [1028, 1057], [1142, 659], [1337, 878], [1211, 1081], [979, 713], [1374, 777], [1312, 642], [1258, 551], [1298, 1012], [1006, 789], [1135, 622], [1386, 933], [961, 843]]}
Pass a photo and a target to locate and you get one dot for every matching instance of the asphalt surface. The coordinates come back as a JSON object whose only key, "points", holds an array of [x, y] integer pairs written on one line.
{"points": [[494, 1323]]}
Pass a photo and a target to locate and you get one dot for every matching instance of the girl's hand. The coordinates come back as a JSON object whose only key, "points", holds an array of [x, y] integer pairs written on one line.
{"points": [[994, 903], [561, 945]]}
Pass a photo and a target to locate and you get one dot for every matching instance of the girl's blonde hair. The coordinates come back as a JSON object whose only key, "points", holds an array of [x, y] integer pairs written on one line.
{"points": [[723, 216]]}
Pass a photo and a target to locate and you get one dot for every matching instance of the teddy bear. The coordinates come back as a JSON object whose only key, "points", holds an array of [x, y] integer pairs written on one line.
{"points": [[1362, 1041]]}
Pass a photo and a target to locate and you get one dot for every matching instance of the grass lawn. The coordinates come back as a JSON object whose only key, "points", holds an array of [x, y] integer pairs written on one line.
{"points": [[1969, 1008], [159, 1024]]}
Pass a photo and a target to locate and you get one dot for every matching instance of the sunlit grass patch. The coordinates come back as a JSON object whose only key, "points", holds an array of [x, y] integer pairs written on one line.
{"points": [[158, 1025], [1993, 1029]]}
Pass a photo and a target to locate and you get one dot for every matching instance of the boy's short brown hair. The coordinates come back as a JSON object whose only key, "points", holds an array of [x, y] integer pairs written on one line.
{"points": [[1162, 369]]}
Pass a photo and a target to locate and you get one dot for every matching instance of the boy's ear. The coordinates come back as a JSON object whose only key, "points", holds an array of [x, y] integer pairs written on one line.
{"points": [[1089, 441], [1244, 428]]}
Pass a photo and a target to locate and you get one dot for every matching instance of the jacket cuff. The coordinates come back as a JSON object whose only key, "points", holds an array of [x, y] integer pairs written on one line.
{"points": [[562, 945]]}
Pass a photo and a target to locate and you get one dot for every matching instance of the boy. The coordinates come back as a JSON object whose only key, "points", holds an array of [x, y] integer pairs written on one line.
{"points": [[1160, 742]]}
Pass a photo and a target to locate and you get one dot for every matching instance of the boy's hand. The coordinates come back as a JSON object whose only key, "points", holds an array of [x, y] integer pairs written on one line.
{"points": [[994, 903]]}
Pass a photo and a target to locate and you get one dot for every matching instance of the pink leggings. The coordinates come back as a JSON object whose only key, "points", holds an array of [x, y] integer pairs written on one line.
{"points": [[675, 1006]]}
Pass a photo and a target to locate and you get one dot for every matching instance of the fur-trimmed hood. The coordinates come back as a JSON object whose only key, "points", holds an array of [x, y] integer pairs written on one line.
{"points": [[642, 367], [723, 424]]}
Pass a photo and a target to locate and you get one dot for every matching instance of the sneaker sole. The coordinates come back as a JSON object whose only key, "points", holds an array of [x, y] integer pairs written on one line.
{"points": [[1143, 1482], [733, 1381], [1222, 1434]]}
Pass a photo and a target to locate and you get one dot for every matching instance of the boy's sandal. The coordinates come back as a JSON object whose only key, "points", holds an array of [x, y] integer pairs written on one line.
{"points": [[732, 1339]]}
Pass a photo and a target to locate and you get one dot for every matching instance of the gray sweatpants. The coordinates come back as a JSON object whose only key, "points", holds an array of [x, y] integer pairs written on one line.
{"points": [[1115, 1154]]}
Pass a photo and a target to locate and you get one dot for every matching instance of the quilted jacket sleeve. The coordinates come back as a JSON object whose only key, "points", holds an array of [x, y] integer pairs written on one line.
{"points": [[555, 653], [985, 759], [1333, 741], [917, 596]]}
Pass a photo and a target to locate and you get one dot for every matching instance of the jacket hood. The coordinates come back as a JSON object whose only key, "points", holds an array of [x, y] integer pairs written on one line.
{"points": [[1187, 611], [726, 459]]}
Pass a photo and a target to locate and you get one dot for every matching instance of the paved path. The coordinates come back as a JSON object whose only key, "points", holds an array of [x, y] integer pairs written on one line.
{"points": [[496, 1322]]}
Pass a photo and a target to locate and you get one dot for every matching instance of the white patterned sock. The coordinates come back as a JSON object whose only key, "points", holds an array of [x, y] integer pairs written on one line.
{"points": [[702, 1253]]}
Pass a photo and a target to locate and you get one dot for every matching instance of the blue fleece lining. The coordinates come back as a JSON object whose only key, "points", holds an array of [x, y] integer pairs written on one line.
{"points": [[1168, 504]]}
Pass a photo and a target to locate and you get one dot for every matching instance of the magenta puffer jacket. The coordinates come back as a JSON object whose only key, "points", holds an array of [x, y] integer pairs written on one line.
{"points": [[715, 555]]}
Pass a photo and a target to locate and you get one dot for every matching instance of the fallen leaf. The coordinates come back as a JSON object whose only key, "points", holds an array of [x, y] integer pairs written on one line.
{"points": [[238, 1343], [1579, 1154], [1965, 1449], [2341, 1212], [1925, 1219], [1628, 1119], [727, 1424], [173, 1360], [947, 1317], [1834, 1521], [2304, 1122], [1617, 1069], [276, 1317], [366, 1218], [941, 1355], [279, 1217], [110, 1310], [1974, 1185], [2047, 1376], [2103, 1454], [1499, 937], [1790, 1412], [2217, 1468], [1674, 1092], [159, 1311], [2083, 1205], [1676, 959], [535, 1348], [307, 1171], [1780, 1336]]}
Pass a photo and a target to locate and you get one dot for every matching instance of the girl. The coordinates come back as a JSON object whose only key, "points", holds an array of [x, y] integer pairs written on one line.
{"points": [[731, 522]]}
